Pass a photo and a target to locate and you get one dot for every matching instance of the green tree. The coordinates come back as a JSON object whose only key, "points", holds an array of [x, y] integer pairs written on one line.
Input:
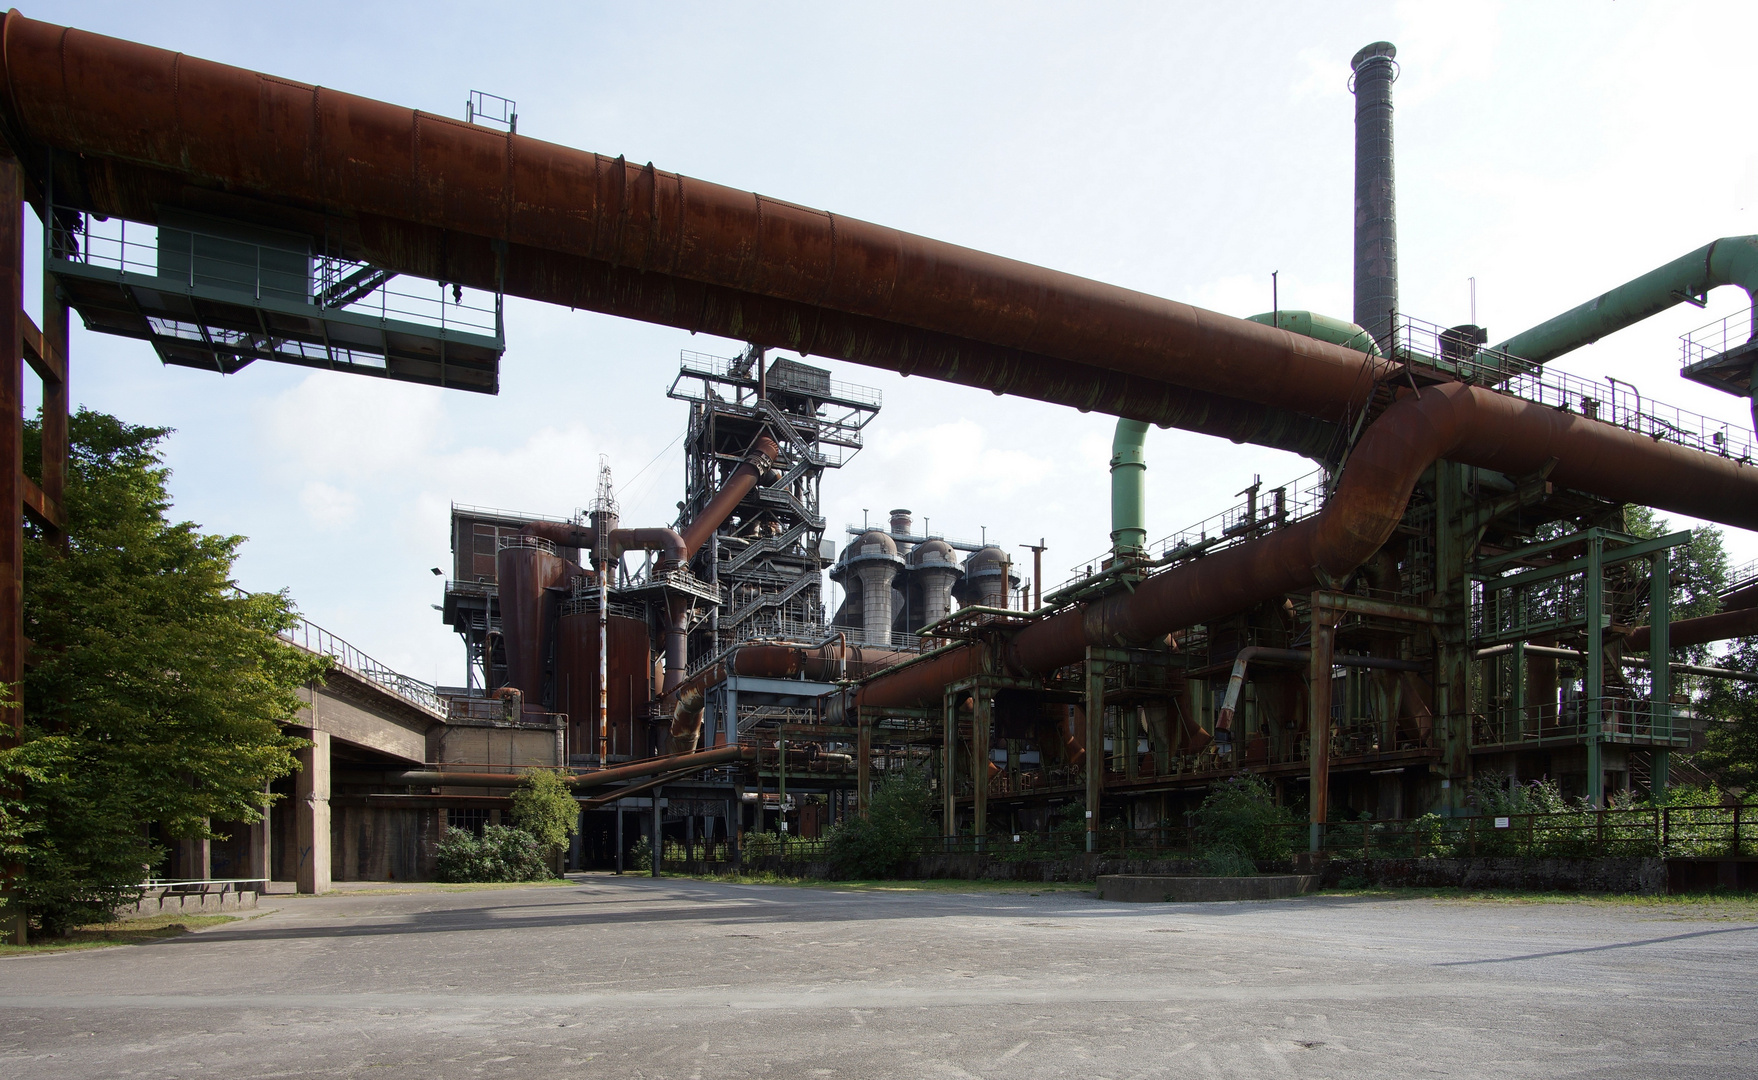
{"points": [[157, 690], [1240, 816], [1730, 747], [1698, 572], [877, 845], [544, 806]]}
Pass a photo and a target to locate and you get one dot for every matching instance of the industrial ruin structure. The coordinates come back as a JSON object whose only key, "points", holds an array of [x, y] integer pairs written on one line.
{"points": [[1456, 588]]}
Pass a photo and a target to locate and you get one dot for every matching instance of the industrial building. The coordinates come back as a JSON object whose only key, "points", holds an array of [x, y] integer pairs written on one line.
{"points": [[1456, 588]]}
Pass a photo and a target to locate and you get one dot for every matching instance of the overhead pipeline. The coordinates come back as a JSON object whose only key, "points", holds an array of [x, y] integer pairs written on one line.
{"points": [[1732, 260], [1722, 626], [1129, 467], [739, 484], [142, 129], [1452, 421], [701, 759]]}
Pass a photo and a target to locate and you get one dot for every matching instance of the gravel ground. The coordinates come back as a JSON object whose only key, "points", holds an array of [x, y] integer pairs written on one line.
{"points": [[630, 977]]}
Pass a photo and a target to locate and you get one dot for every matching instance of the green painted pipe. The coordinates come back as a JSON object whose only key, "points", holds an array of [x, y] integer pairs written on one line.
{"points": [[1732, 260], [1129, 469], [1320, 328]]}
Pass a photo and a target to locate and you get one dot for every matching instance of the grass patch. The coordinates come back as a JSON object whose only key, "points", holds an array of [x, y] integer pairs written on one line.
{"points": [[1711, 905], [127, 932], [934, 885]]}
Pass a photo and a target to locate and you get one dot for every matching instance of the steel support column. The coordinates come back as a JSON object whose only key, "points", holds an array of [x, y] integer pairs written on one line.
{"points": [[981, 720], [1594, 681], [949, 769], [864, 765], [1095, 692], [12, 474], [1318, 721], [1660, 716]]}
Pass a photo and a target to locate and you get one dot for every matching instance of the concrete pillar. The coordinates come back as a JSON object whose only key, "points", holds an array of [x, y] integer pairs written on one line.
{"points": [[311, 808], [936, 593]]}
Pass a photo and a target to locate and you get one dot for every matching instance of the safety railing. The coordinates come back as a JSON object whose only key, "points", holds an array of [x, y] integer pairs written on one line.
{"points": [[720, 367], [315, 639], [1618, 718], [188, 258], [1614, 401], [1712, 340]]}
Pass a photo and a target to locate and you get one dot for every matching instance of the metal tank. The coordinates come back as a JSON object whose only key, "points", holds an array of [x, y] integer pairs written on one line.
{"points": [[988, 578], [526, 569], [630, 682]]}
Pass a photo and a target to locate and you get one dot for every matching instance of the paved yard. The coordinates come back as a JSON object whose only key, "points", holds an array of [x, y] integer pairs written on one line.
{"points": [[630, 977]]}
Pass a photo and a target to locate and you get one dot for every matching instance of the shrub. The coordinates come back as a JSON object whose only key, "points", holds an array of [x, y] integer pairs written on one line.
{"points": [[544, 807], [502, 853], [876, 846], [1241, 814], [1227, 862], [641, 856]]}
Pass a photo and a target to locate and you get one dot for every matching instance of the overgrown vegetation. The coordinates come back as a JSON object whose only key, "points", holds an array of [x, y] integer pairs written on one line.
{"points": [[878, 845], [501, 853], [1238, 825], [156, 692], [544, 806]]}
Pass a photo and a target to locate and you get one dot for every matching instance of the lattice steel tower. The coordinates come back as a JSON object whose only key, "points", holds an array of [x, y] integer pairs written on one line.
{"points": [[769, 556]]}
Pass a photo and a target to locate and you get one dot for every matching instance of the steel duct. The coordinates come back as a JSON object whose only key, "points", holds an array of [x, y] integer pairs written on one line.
{"points": [[439, 198], [1461, 423]]}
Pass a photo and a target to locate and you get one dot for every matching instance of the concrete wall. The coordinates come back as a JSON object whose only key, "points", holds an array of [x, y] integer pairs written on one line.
{"points": [[365, 716], [472, 742], [383, 843]]}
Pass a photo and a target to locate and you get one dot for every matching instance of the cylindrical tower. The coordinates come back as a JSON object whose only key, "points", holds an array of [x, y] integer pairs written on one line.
{"points": [[988, 577], [526, 572], [1376, 228], [872, 560], [934, 566]]}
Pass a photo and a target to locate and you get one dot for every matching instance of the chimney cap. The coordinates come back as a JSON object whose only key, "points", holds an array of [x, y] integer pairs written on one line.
{"points": [[1379, 50]]}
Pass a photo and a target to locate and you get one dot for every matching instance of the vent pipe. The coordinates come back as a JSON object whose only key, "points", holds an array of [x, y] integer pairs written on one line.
{"points": [[1376, 227]]}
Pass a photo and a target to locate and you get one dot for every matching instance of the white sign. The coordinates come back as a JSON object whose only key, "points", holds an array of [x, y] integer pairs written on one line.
{"points": [[1501, 823]]}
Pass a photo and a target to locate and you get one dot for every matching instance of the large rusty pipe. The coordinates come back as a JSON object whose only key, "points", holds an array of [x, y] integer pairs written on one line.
{"points": [[1460, 423], [701, 759], [1466, 424], [565, 534], [1741, 622], [763, 454], [430, 195]]}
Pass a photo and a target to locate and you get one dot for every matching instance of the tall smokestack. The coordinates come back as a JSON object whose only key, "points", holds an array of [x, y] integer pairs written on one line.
{"points": [[1376, 226]]}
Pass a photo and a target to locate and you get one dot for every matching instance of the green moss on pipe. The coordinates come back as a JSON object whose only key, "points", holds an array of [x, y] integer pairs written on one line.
{"points": [[1129, 467], [1320, 328]]}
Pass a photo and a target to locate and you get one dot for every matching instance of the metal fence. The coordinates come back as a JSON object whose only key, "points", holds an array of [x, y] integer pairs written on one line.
{"points": [[313, 638], [1653, 832]]}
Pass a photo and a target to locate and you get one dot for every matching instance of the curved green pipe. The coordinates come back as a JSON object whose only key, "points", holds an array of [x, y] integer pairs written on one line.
{"points": [[1129, 469], [1320, 328], [1731, 260]]}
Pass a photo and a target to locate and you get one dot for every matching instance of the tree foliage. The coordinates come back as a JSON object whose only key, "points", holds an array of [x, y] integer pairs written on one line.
{"points": [[1241, 815], [876, 846], [156, 691], [544, 806], [1730, 748]]}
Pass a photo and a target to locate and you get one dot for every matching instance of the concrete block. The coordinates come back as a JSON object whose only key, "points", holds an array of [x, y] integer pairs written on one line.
{"points": [[1163, 888]]}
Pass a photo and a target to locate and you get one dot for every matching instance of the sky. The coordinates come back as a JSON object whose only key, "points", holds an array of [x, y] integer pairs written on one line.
{"points": [[1550, 151]]}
